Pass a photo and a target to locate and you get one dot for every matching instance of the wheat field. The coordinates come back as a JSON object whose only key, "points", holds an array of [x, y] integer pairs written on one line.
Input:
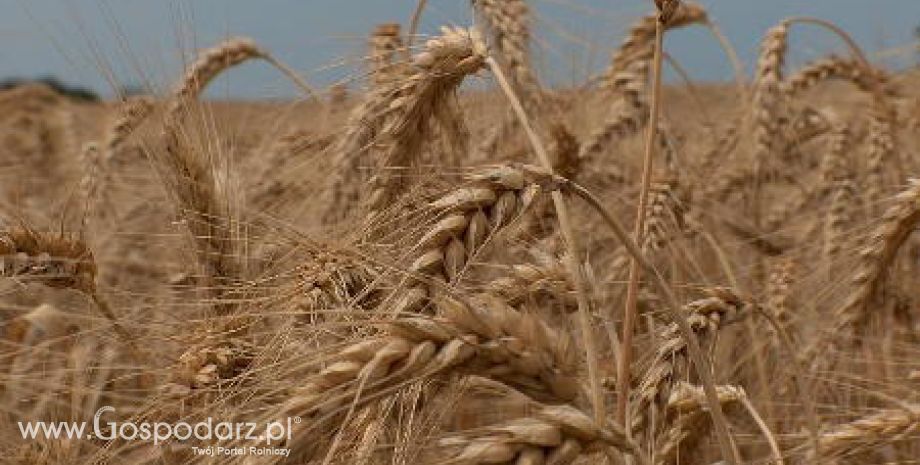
{"points": [[449, 261]]}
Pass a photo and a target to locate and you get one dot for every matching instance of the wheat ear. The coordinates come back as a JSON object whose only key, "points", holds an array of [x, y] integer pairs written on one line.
{"points": [[509, 23], [880, 250], [779, 292], [199, 194], [393, 121], [880, 428], [706, 318], [190, 174], [552, 434], [485, 337], [627, 79], [637, 49], [882, 149], [470, 215], [543, 281], [768, 96], [836, 68], [57, 261], [384, 45], [688, 422]]}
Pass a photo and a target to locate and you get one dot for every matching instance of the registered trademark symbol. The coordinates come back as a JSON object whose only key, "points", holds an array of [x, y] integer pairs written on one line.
{"points": [[296, 420]]}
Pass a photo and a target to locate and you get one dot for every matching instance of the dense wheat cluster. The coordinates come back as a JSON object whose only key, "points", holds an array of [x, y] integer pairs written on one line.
{"points": [[417, 272]]}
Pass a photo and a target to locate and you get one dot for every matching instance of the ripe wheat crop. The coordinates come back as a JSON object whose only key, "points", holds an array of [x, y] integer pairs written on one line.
{"points": [[429, 263]]}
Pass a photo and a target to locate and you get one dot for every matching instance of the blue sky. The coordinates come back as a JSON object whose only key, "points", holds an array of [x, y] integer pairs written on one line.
{"points": [[106, 43]]}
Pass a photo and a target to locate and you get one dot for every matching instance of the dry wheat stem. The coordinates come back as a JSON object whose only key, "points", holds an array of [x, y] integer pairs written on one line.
{"points": [[630, 309], [414, 22], [673, 307], [571, 242]]}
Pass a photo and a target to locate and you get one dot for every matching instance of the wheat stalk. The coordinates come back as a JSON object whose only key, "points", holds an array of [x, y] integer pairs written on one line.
{"points": [[572, 243], [630, 309]]}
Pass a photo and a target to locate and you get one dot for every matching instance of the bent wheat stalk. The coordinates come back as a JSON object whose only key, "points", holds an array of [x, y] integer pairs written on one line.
{"points": [[571, 242], [672, 306]]}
